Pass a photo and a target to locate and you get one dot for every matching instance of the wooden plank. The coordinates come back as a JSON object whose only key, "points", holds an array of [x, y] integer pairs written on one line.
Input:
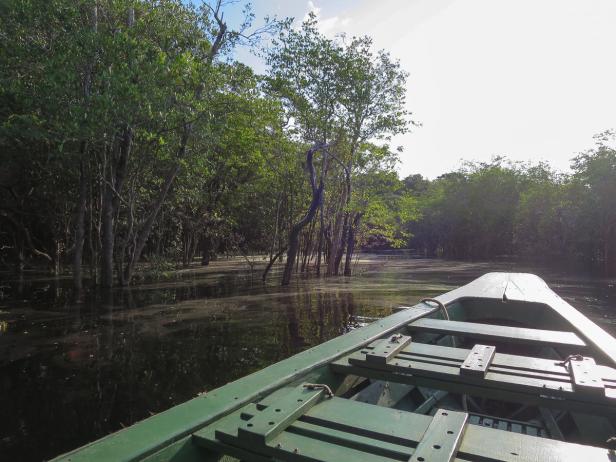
{"points": [[273, 420], [339, 430], [538, 371], [478, 361], [499, 333], [442, 438], [530, 288], [514, 389], [551, 424], [385, 349], [586, 378]]}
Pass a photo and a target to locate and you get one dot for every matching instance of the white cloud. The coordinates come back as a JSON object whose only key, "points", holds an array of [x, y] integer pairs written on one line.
{"points": [[527, 79], [328, 26]]}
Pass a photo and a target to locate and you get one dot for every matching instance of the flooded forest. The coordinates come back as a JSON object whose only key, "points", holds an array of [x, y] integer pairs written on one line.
{"points": [[172, 219]]}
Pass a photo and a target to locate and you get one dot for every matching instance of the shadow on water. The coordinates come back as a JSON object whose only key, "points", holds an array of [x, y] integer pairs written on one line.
{"points": [[71, 373]]}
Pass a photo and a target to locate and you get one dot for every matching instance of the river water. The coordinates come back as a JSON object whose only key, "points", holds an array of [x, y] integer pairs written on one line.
{"points": [[71, 373]]}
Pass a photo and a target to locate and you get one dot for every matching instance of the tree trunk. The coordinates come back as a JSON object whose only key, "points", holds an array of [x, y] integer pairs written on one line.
{"points": [[117, 170], [271, 263], [107, 240], [317, 194], [351, 245], [80, 214], [144, 232], [80, 231], [346, 225]]}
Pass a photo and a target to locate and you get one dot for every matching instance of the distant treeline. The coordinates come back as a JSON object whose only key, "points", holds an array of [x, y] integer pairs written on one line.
{"points": [[131, 141], [488, 210]]}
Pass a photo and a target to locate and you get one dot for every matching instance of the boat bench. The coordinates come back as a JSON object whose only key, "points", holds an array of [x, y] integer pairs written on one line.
{"points": [[307, 425], [573, 385], [564, 341]]}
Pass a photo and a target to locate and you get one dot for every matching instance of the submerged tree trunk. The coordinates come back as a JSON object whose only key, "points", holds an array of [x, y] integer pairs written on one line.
{"points": [[351, 245], [116, 174], [271, 263], [144, 232], [296, 229], [80, 225]]}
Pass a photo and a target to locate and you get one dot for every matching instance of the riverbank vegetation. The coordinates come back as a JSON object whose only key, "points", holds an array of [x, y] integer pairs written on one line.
{"points": [[130, 136], [505, 209]]}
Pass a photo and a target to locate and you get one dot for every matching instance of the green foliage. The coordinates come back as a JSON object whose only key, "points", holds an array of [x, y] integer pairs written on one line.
{"points": [[128, 130], [505, 209]]}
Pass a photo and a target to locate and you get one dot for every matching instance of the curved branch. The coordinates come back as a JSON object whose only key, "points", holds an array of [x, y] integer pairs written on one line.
{"points": [[317, 197]]}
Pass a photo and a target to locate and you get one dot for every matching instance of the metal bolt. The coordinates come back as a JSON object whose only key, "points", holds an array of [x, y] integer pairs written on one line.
{"points": [[295, 451], [279, 445]]}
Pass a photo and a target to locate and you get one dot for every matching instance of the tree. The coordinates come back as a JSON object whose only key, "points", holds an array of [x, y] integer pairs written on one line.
{"points": [[341, 95]]}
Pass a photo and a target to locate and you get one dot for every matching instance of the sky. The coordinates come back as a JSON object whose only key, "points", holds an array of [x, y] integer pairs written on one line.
{"points": [[532, 80]]}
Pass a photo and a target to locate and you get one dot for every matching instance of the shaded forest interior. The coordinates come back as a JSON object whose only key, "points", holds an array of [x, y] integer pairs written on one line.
{"points": [[131, 138]]}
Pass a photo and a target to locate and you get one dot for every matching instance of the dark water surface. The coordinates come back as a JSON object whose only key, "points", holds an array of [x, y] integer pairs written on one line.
{"points": [[71, 373]]}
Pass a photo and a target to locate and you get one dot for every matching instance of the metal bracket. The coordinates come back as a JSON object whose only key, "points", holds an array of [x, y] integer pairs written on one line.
{"points": [[385, 349], [585, 377], [442, 439], [478, 360]]}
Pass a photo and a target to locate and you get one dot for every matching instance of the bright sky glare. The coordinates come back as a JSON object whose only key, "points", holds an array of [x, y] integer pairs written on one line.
{"points": [[528, 79]]}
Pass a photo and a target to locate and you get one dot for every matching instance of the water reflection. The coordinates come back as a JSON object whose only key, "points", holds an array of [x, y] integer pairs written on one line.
{"points": [[73, 372]]}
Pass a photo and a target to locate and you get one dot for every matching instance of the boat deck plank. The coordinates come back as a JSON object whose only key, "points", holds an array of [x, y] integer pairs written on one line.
{"points": [[338, 429], [509, 377], [494, 333]]}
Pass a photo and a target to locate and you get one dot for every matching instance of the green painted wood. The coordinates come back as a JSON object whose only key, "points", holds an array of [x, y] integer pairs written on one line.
{"points": [[514, 447], [586, 378], [505, 381], [341, 430], [551, 424], [551, 376], [312, 440], [273, 420], [385, 349], [530, 288], [154, 433], [471, 389], [478, 361], [499, 333], [430, 402], [516, 384], [442, 438]]}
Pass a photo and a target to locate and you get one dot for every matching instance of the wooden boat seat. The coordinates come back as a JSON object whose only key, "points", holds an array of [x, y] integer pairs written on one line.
{"points": [[568, 341], [336, 429], [576, 385]]}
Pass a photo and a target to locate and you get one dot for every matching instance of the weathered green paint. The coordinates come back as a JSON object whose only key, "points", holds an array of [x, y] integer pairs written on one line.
{"points": [[339, 429], [514, 378], [490, 332], [270, 422], [442, 439], [586, 377], [384, 349], [478, 361]]}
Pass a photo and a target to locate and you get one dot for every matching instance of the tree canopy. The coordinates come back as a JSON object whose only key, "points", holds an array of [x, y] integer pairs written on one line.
{"points": [[130, 136]]}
